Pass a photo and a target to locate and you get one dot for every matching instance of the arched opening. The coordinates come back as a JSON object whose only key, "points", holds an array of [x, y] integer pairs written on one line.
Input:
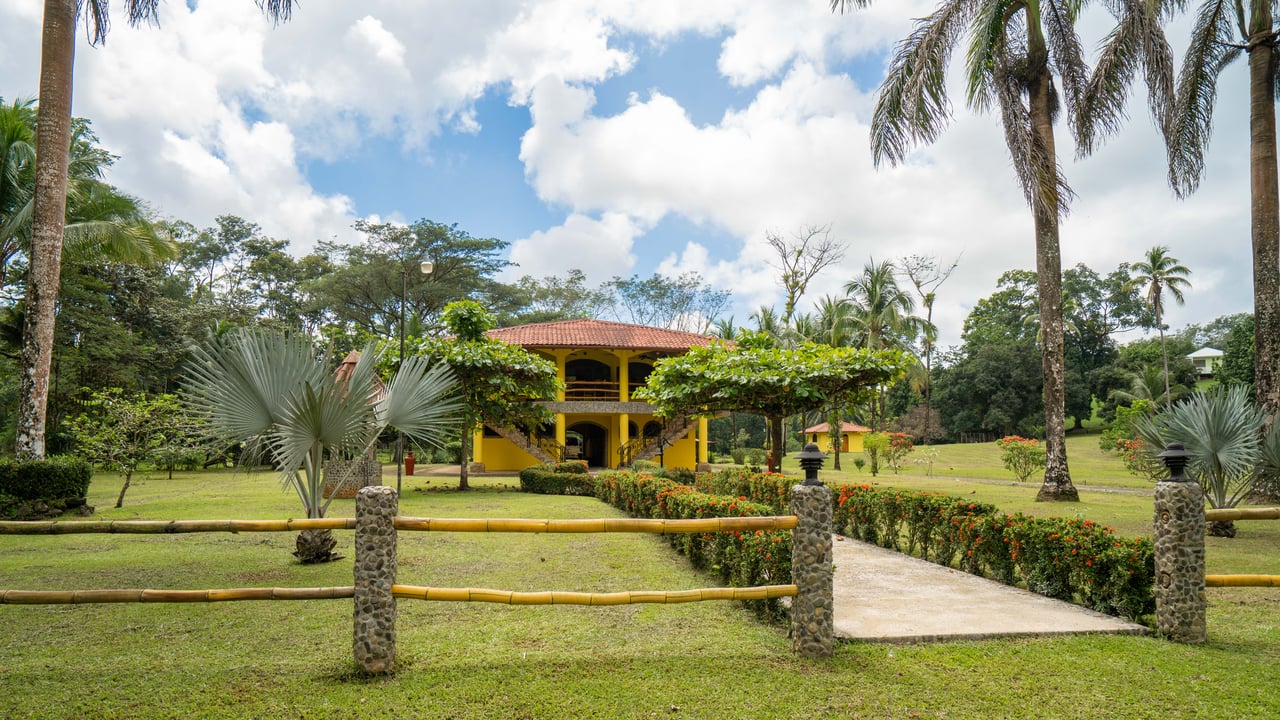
{"points": [[587, 379], [594, 442], [652, 429], [638, 375]]}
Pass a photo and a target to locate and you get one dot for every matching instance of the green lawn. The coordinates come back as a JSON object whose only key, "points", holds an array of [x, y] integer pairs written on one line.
{"points": [[1090, 466], [706, 660]]}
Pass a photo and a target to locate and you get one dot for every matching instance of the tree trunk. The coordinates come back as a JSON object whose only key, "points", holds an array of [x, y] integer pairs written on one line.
{"points": [[53, 141], [120, 499], [316, 546], [778, 445], [1265, 218], [1164, 354], [1222, 528], [1057, 478], [465, 456]]}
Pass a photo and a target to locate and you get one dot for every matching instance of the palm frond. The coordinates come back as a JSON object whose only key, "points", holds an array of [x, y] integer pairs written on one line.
{"points": [[913, 106], [1065, 53], [1136, 41], [1219, 430], [1192, 121], [421, 401], [1043, 184]]}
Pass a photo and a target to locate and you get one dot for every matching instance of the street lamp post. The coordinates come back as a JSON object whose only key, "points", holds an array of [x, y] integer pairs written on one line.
{"points": [[425, 267]]}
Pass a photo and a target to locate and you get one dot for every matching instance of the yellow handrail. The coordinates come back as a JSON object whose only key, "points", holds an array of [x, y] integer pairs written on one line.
{"points": [[1228, 514], [599, 525], [553, 597], [1242, 580]]}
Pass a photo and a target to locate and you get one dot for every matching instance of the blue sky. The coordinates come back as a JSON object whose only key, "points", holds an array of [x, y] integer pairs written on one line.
{"points": [[618, 137]]}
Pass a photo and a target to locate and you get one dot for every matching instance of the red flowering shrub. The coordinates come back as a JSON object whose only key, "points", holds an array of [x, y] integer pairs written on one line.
{"points": [[741, 559], [1070, 559], [1021, 456]]}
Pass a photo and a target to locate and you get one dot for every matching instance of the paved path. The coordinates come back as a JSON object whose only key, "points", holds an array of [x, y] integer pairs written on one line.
{"points": [[886, 596]]}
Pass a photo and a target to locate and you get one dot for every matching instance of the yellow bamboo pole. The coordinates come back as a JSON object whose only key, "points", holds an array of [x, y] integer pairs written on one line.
{"points": [[597, 525], [1226, 514], [508, 597], [1242, 580], [77, 597], [66, 527]]}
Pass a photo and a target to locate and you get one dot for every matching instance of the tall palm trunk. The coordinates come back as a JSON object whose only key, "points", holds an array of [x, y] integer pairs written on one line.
{"points": [[1057, 478], [53, 137], [1164, 355], [1265, 201], [464, 451]]}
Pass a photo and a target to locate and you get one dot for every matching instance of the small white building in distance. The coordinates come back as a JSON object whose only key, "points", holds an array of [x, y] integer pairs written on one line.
{"points": [[1206, 360]]}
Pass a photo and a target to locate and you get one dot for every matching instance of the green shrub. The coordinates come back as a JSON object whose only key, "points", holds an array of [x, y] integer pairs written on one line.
{"points": [[52, 479], [551, 480], [1021, 456], [756, 456], [739, 455], [771, 489], [741, 559], [1068, 559]]}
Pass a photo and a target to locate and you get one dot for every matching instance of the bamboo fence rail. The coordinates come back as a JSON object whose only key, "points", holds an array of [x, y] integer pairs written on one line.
{"points": [[508, 597], [65, 527], [1242, 580], [77, 597], [1226, 514], [598, 525]]}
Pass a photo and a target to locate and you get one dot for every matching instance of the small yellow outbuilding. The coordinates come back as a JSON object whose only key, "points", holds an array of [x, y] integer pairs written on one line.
{"points": [[850, 436]]}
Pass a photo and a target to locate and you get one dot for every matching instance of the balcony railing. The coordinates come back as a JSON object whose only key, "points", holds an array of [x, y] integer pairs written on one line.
{"points": [[606, 390]]}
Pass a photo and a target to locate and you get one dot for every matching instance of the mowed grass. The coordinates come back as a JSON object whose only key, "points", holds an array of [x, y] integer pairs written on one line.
{"points": [[1090, 466], [705, 660]]}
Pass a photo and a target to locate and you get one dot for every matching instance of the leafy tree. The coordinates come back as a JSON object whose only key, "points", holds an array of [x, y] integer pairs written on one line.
{"points": [[1021, 456], [993, 388], [54, 130], [1014, 50], [362, 291], [1213, 333], [274, 391], [1237, 355], [120, 432], [555, 298], [1161, 272], [680, 303], [774, 382], [927, 275], [500, 384]]}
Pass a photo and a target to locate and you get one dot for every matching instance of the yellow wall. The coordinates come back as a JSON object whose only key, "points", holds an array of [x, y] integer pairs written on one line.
{"points": [[823, 440], [499, 454]]}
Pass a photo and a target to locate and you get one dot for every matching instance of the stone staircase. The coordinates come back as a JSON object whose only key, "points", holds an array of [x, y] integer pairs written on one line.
{"points": [[646, 448], [544, 449]]}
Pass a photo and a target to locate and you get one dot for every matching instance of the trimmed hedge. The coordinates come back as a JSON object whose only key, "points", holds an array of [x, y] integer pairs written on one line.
{"points": [[1063, 558], [741, 559], [772, 489], [565, 478], [35, 489]]}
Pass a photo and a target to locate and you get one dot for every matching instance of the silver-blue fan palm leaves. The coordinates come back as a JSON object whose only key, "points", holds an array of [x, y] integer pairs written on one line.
{"points": [[1014, 51], [1220, 430], [274, 391]]}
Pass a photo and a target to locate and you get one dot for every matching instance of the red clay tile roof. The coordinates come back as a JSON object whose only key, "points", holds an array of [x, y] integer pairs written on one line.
{"points": [[844, 428], [598, 333]]}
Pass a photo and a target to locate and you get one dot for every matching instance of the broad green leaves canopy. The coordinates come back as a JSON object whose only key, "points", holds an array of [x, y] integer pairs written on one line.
{"points": [[766, 381]]}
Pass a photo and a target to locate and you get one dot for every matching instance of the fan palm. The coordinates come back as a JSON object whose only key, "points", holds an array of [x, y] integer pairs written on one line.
{"points": [[1220, 429], [1159, 271], [275, 392], [1014, 49], [48, 216]]}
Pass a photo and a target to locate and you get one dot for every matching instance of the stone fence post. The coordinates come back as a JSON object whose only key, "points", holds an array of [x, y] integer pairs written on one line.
{"points": [[812, 619], [374, 642], [1179, 552]]}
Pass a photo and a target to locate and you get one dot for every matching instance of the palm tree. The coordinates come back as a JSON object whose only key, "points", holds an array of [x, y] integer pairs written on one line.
{"points": [[54, 126], [17, 168], [1223, 31], [1145, 385], [1159, 271], [274, 391], [880, 311], [835, 327], [1014, 49]]}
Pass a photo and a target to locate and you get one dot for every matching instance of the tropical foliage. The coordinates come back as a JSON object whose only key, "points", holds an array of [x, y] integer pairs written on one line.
{"points": [[288, 402]]}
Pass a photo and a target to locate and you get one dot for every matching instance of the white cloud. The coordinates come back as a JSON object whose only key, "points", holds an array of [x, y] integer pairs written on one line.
{"points": [[601, 248]]}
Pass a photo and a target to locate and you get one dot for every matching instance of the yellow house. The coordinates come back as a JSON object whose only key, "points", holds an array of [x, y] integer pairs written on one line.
{"points": [[850, 436], [601, 364]]}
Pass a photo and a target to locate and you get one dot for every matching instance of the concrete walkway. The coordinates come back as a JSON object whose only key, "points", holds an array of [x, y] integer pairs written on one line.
{"points": [[886, 596]]}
